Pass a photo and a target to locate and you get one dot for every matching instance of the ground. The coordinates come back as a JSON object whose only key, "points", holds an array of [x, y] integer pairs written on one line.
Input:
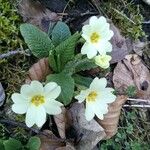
{"points": [[133, 132]]}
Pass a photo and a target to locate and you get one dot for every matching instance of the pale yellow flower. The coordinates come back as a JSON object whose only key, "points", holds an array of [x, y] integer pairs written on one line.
{"points": [[103, 61], [97, 98], [36, 100], [97, 35]]}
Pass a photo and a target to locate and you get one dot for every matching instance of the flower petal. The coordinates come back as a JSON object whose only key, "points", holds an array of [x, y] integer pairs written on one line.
{"points": [[18, 98], [104, 46], [26, 91], [98, 84], [89, 114], [93, 20], [40, 116], [52, 107], [108, 97], [89, 50], [82, 96], [20, 108], [101, 108], [37, 86], [31, 116], [52, 90]]}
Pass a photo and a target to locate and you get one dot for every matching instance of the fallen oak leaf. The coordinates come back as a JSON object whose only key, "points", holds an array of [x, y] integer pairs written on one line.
{"points": [[111, 119], [39, 70], [50, 142], [132, 72], [35, 13], [87, 133]]}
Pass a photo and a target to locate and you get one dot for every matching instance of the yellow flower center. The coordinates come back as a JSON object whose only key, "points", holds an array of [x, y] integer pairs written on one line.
{"points": [[92, 96], [95, 37], [37, 100]]}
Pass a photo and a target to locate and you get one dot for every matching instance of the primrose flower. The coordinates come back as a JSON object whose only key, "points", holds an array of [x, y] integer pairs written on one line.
{"points": [[36, 100], [97, 35], [103, 61], [97, 98]]}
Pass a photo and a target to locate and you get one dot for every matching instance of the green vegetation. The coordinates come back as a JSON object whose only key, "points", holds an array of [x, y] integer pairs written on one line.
{"points": [[132, 133], [133, 128], [13, 144], [9, 27], [126, 16]]}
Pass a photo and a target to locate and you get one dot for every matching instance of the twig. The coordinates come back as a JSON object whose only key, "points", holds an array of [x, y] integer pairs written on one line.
{"points": [[14, 123], [100, 10], [139, 100], [146, 22], [139, 106], [78, 14], [11, 53]]}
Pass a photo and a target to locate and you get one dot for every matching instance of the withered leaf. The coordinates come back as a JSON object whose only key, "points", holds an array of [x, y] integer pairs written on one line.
{"points": [[60, 121], [110, 121], [39, 70], [132, 72], [35, 13]]}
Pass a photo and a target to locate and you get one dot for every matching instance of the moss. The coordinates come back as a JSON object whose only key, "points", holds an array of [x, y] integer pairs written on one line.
{"points": [[126, 16], [9, 26]]}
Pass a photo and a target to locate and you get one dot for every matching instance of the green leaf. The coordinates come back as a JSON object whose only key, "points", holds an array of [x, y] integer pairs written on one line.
{"points": [[60, 33], [12, 144], [38, 41], [79, 64], [50, 29], [83, 81], [67, 86], [85, 64], [66, 49], [52, 61], [1, 145], [34, 143]]}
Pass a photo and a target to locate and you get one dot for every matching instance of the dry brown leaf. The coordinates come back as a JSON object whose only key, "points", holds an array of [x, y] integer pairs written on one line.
{"points": [[39, 70], [110, 121], [35, 13], [60, 121], [88, 133], [50, 141], [120, 49], [132, 72], [67, 147]]}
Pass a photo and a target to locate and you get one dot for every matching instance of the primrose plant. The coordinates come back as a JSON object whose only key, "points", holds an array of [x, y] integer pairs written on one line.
{"points": [[67, 63]]}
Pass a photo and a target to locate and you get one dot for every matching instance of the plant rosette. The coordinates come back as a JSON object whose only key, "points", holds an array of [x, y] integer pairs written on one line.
{"points": [[61, 65]]}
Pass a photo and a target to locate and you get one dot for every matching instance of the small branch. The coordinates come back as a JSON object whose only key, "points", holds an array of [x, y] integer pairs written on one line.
{"points": [[76, 15], [16, 124], [146, 22], [12, 53], [137, 106], [139, 100]]}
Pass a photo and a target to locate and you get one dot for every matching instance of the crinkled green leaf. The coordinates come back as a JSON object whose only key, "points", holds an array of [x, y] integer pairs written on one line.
{"points": [[67, 86], [52, 61], [66, 49], [34, 143], [82, 81], [12, 144], [85, 64], [60, 33], [38, 41], [1, 145], [79, 64]]}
